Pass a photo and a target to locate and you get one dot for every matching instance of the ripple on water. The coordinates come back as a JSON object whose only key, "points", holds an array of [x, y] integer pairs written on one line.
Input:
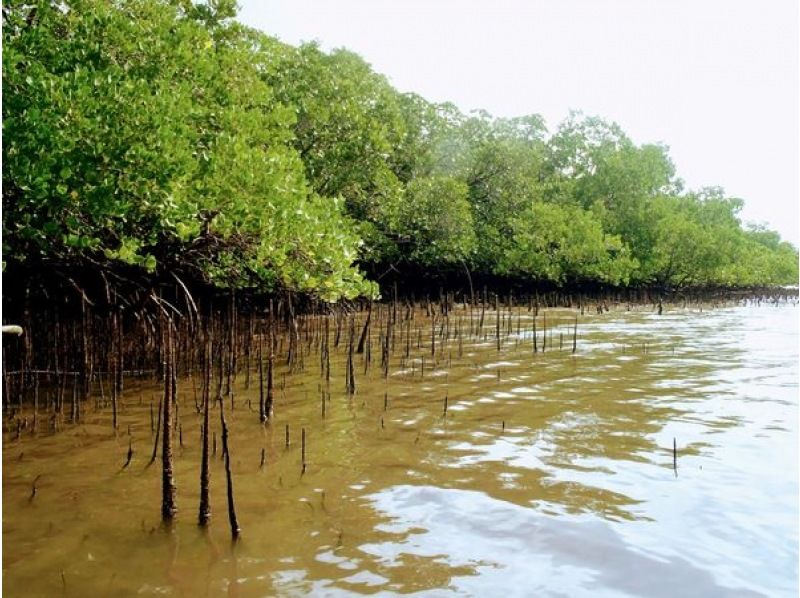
{"points": [[517, 551]]}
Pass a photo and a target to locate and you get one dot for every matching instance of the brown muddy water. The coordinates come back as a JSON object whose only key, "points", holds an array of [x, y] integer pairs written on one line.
{"points": [[547, 474]]}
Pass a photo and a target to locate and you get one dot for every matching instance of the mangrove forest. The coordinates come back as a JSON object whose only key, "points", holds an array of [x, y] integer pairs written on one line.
{"points": [[164, 138], [272, 327]]}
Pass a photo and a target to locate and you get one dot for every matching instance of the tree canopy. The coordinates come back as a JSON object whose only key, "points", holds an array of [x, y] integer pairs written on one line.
{"points": [[162, 135]]}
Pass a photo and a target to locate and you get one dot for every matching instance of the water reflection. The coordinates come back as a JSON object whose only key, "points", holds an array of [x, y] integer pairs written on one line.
{"points": [[527, 552]]}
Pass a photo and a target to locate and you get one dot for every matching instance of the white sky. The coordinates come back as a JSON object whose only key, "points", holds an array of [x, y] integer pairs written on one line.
{"points": [[716, 80]]}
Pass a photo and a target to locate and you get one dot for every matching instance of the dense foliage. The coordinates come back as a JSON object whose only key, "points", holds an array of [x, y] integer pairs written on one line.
{"points": [[141, 132], [165, 135]]}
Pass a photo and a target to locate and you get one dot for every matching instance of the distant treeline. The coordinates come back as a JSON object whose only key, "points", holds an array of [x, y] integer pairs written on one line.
{"points": [[160, 137]]}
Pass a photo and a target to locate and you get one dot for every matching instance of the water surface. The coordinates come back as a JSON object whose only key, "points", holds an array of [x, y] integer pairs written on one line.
{"points": [[551, 474]]}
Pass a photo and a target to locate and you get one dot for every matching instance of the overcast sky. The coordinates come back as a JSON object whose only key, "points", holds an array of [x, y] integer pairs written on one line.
{"points": [[715, 80]]}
